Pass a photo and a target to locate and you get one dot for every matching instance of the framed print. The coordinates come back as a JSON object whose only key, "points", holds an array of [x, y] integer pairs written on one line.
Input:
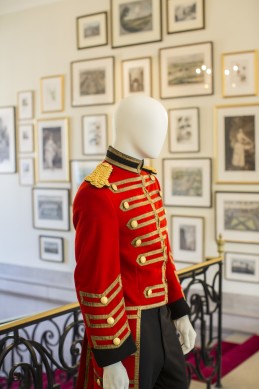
{"points": [[187, 182], [7, 140], [185, 16], [26, 138], [79, 170], [51, 248], [242, 267], [25, 105], [237, 216], [26, 171], [186, 71], [184, 131], [136, 77], [52, 150], [240, 74], [51, 209], [237, 144], [135, 22], [187, 237], [92, 30], [95, 140], [92, 82], [52, 94]]}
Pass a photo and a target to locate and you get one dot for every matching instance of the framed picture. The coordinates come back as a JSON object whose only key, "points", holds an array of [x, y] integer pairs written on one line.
{"points": [[51, 248], [92, 30], [51, 209], [184, 131], [237, 216], [92, 81], [186, 71], [187, 237], [242, 267], [136, 77], [240, 74], [52, 94], [135, 22], [187, 182], [26, 138], [94, 134], [26, 171], [237, 144], [185, 16], [25, 105], [52, 150], [79, 170], [7, 140]]}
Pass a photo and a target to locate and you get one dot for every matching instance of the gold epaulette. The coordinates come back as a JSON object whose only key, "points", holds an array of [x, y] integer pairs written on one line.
{"points": [[150, 169], [100, 176]]}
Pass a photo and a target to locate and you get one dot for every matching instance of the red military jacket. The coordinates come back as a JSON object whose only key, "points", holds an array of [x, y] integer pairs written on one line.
{"points": [[124, 263]]}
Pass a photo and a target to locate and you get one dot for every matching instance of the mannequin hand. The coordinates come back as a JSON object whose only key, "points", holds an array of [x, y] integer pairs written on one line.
{"points": [[115, 377], [187, 333]]}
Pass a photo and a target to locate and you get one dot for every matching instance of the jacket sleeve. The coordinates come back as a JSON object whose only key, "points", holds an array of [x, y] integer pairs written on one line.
{"points": [[97, 275]]}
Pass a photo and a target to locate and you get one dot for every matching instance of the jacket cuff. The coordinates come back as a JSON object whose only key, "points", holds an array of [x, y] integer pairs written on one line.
{"points": [[106, 357], [179, 309]]}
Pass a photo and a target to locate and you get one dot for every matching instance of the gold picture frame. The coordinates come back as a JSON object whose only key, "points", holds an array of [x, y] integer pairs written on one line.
{"points": [[52, 93], [136, 76], [25, 105]]}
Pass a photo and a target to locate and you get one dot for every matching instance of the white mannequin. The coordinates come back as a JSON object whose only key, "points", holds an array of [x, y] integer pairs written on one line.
{"points": [[140, 128]]}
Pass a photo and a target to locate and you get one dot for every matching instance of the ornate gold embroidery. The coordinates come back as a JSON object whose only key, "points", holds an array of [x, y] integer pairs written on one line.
{"points": [[113, 313], [100, 176], [95, 339], [149, 291], [98, 296]]}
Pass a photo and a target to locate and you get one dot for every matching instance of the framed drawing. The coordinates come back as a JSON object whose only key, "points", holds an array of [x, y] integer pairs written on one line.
{"points": [[7, 140], [26, 138], [242, 267], [187, 237], [187, 182], [26, 171], [51, 209], [237, 143], [240, 74], [92, 30], [136, 77], [185, 16], [25, 105], [186, 70], [51, 248], [52, 94], [237, 216], [94, 134], [52, 150], [184, 131], [92, 82], [135, 22]]}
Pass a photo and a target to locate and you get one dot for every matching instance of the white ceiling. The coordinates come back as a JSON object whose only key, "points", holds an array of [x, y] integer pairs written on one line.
{"points": [[9, 6]]}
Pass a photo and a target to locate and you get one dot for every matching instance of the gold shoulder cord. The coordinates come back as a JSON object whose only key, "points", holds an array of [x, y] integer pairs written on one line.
{"points": [[100, 176]]}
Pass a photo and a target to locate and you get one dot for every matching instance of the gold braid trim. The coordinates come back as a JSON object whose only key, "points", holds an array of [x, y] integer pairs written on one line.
{"points": [[150, 169], [100, 176]]}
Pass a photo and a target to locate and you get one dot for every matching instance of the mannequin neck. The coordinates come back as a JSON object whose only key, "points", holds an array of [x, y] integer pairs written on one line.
{"points": [[128, 149]]}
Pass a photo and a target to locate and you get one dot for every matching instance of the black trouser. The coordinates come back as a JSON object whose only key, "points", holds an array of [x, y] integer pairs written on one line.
{"points": [[162, 364]]}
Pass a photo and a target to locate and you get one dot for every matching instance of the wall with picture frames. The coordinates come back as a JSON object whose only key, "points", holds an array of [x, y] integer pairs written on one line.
{"points": [[64, 67]]}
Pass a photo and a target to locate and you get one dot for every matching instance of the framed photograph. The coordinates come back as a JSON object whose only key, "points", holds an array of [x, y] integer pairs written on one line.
{"points": [[136, 77], [242, 267], [187, 237], [237, 216], [135, 22], [25, 105], [52, 150], [92, 30], [26, 171], [26, 138], [186, 71], [51, 248], [185, 15], [7, 140], [240, 74], [187, 182], [51, 209], [52, 94], [95, 134], [237, 144], [79, 170], [184, 131], [92, 82]]}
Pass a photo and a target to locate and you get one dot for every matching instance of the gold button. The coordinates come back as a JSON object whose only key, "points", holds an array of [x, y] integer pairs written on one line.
{"points": [[149, 292], [98, 382], [134, 224], [104, 300], [110, 320], [116, 341], [143, 259], [126, 205], [114, 187], [138, 242], [153, 178]]}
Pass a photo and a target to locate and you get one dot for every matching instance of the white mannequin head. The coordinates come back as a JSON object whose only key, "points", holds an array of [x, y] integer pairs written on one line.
{"points": [[140, 127]]}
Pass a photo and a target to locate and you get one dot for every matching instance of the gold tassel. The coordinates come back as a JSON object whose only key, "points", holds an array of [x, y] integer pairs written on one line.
{"points": [[100, 176]]}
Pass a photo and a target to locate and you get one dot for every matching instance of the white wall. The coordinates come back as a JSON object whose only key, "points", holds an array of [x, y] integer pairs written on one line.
{"points": [[41, 41]]}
